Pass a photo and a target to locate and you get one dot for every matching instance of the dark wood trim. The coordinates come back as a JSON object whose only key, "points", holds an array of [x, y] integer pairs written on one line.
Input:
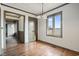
{"points": [[36, 26], [24, 29], [37, 30], [56, 45], [55, 8], [6, 31], [17, 29], [18, 9]]}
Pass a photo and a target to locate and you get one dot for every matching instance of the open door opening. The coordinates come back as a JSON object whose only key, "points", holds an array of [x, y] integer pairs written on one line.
{"points": [[11, 33], [14, 25], [33, 29]]}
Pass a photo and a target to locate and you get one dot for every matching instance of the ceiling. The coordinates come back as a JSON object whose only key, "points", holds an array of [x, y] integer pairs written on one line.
{"points": [[35, 8]]}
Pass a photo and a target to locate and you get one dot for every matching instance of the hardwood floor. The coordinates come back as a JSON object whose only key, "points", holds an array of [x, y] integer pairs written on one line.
{"points": [[38, 49], [11, 41]]}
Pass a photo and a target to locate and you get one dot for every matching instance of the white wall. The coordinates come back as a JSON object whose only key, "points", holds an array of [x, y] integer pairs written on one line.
{"points": [[0, 31], [21, 23], [70, 30], [3, 23]]}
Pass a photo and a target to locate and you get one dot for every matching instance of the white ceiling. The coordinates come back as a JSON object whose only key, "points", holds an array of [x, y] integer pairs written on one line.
{"points": [[35, 8]]}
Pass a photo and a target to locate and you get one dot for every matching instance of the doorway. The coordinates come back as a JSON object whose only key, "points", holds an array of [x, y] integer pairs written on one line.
{"points": [[33, 29], [15, 28], [11, 33]]}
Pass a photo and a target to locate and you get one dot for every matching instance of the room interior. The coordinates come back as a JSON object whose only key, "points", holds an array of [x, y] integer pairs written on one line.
{"points": [[39, 29]]}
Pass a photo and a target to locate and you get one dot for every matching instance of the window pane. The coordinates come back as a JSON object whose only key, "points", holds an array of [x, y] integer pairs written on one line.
{"points": [[50, 25], [50, 22], [58, 21], [57, 25]]}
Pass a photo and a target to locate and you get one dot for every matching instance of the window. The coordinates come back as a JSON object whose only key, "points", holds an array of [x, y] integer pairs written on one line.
{"points": [[54, 25]]}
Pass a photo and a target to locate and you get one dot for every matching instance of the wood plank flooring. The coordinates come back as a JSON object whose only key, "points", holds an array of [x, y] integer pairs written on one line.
{"points": [[11, 41], [38, 49]]}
